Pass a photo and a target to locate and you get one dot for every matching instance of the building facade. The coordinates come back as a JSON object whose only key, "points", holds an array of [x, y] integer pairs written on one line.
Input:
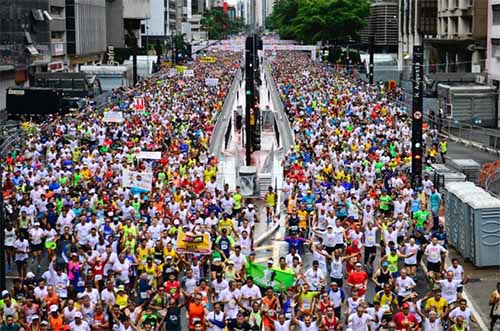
{"points": [[493, 44], [458, 52], [417, 21], [382, 26]]}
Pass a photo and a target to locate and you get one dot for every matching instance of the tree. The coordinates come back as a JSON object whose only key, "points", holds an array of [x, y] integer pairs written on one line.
{"points": [[319, 20], [219, 25]]}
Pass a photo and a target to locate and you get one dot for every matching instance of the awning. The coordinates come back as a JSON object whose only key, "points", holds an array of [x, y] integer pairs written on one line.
{"points": [[32, 49]]}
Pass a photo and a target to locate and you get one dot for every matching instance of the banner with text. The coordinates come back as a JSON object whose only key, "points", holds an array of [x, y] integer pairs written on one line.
{"points": [[193, 243], [139, 180], [264, 276]]}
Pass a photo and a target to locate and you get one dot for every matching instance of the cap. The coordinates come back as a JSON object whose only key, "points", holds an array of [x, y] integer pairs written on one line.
{"points": [[270, 261], [405, 305], [5, 293], [358, 264], [177, 222], [250, 205], [385, 264], [78, 314], [53, 308], [30, 275], [230, 262], [34, 317], [36, 224], [333, 283], [121, 288], [44, 323], [355, 242], [169, 257]]}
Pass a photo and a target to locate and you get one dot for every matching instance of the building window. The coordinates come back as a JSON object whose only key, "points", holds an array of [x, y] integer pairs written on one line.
{"points": [[496, 14], [57, 11], [58, 35]]}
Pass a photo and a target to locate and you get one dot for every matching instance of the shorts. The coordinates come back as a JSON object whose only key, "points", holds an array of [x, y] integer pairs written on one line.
{"points": [[329, 250], [435, 267], [21, 262], [339, 281], [369, 250], [460, 288], [339, 246], [408, 265], [36, 247]]}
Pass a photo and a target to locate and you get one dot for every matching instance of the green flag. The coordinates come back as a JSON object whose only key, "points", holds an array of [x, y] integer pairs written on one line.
{"points": [[265, 277]]}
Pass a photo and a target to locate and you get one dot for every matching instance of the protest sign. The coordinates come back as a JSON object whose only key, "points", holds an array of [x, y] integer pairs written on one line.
{"points": [[138, 180], [139, 104], [189, 73], [149, 155], [113, 117], [193, 243], [274, 277], [211, 81]]}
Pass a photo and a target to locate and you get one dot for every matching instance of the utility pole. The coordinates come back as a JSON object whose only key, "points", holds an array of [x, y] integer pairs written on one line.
{"points": [[2, 234], [249, 97], [416, 136], [370, 68]]}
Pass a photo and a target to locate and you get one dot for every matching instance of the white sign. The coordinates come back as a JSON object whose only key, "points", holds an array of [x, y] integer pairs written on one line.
{"points": [[113, 117], [211, 81], [149, 155], [189, 73], [135, 179], [139, 104], [172, 73]]}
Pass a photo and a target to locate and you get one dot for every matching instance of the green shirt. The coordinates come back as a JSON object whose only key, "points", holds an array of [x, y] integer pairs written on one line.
{"points": [[421, 216], [385, 202], [237, 201]]}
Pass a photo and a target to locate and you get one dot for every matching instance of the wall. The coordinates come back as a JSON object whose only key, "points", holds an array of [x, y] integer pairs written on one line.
{"points": [[493, 63], [90, 21], [115, 34], [155, 26], [137, 9]]}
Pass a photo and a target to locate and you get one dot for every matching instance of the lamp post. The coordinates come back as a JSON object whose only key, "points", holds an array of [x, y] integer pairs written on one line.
{"points": [[417, 112]]}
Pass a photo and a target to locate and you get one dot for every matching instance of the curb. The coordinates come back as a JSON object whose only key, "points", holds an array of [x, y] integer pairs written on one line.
{"points": [[471, 303]]}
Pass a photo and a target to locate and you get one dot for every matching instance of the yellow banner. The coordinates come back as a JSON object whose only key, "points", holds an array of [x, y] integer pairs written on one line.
{"points": [[208, 59], [191, 243], [180, 69]]}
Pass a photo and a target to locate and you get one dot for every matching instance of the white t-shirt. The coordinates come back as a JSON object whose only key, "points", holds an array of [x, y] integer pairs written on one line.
{"points": [[230, 308], [404, 286], [449, 289], [466, 314], [457, 272], [312, 327], [433, 253], [249, 292], [282, 327], [22, 246], [357, 323], [217, 317], [84, 326]]}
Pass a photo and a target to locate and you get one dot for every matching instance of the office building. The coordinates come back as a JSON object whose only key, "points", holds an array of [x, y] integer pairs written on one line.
{"points": [[382, 26], [123, 21]]}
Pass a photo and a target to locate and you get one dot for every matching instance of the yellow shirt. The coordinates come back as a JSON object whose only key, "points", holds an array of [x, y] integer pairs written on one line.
{"points": [[122, 300], [439, 305], [302, 214], [226, 223]]}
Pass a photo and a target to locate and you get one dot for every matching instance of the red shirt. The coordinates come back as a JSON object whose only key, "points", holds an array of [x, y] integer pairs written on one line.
{"points": [[358, 277], [403, 321], [173, 288]]}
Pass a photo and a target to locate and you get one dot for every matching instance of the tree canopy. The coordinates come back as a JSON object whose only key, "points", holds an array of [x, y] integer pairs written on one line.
{"points": [[319, 20], [219, 25]]}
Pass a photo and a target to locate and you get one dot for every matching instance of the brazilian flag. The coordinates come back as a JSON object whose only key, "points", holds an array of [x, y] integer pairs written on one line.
{"points": [[264, 277]]}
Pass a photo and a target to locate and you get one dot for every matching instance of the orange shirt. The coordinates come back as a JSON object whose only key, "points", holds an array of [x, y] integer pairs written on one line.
{"points": [[56, 323], [196, 313], [52, 300]]}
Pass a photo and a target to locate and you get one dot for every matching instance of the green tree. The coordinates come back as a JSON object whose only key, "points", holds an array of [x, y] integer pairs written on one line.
{"points": [[319, 20], [219, 25]]}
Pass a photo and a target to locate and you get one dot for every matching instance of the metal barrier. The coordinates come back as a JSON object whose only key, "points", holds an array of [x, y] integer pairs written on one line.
{"points": [[286, 136], [222, 124]]}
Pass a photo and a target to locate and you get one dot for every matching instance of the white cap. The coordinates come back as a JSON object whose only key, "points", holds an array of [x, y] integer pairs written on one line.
{"points": [[36, 224], [53, 308], [250, 205], [5, 292], [35, 317], [78, 314], [30, 275], [177, 222]]}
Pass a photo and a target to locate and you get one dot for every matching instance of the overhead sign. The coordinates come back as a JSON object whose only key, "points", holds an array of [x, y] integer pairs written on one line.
{"points": [[55, 66], [139, 104], [138, 180], [181, 69], [149, 155], [113, 117], [211, 81], [193, 243]]}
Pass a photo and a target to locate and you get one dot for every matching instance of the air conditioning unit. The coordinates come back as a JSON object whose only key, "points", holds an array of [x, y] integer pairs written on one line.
{"points": [[480, 79]]}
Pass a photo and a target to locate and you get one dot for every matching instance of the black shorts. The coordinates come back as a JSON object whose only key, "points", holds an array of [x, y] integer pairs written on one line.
{"points": [[22, 262], [36, 247], [339, 281], [329, 250], [410, 265], [339, 246], [370, 250], [435, 267]]}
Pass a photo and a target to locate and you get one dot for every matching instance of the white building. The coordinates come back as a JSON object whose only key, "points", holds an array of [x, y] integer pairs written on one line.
{"points": [[493, 43]]}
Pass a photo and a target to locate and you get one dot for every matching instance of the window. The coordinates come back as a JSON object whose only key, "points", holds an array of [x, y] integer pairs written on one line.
{"points": [[57, 35], [57, 11], [496, 14]]}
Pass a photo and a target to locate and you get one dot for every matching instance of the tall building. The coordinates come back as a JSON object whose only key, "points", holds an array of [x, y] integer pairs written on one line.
{"points": [[123, 21], [493, 48], [382, 26], [458, 52], [493, 44], [86, 31], [417, 21]]}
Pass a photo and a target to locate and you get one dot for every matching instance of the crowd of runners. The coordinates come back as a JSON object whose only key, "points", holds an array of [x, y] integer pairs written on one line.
{"points": [[85, 251]]}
